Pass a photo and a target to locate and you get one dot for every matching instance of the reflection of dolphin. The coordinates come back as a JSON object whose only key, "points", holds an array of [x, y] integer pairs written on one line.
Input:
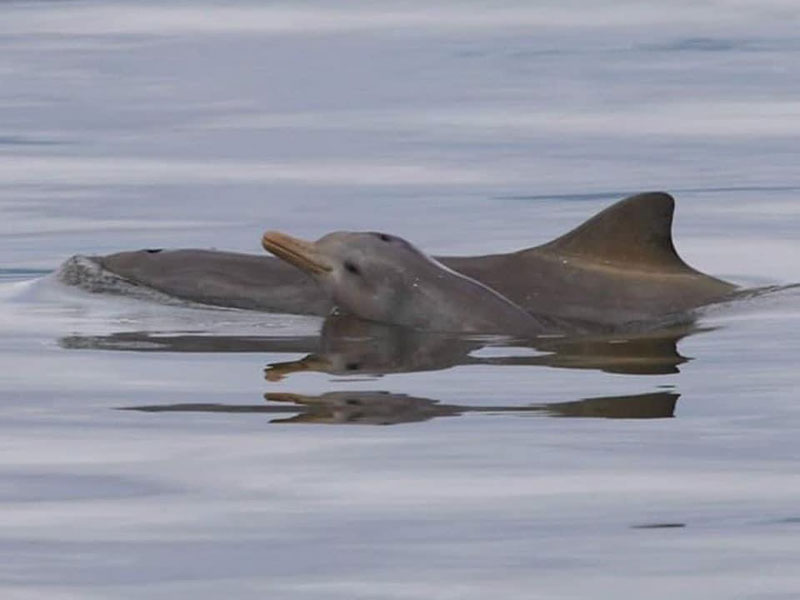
{"points": [[349, 346], [655, 405], [383, 408], [617, 267], [363, 408]]}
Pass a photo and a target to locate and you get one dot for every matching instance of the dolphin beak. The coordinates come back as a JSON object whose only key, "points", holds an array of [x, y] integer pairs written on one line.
{"points": [[300, 253]]}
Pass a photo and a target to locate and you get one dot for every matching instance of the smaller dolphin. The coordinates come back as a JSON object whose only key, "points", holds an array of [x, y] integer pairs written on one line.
{"points": [[384, 278]]}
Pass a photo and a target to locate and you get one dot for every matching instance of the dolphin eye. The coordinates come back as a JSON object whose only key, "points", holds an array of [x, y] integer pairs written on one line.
{"points": [[384, 237], [351, 268]]}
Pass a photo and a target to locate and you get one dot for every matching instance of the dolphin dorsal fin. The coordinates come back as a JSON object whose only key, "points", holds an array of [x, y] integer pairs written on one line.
{"points": [[635, 233]]}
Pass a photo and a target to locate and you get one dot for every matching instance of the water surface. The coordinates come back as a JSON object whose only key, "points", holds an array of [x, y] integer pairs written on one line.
{"points": [[139, 454]]}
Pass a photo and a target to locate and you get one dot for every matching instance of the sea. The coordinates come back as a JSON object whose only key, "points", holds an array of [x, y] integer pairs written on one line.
{"points": [[162, 451]]}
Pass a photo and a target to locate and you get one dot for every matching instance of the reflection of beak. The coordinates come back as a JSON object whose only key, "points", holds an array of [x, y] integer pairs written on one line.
{"points": [[300, 253], [312, 362], [286, 398]]}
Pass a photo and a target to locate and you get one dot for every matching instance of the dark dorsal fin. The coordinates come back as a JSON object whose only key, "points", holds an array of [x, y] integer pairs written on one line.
{"points": [[635, 233]]}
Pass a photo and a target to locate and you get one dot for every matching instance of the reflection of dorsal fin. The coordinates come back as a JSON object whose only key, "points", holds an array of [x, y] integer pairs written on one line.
{"points": [[634, 233]]}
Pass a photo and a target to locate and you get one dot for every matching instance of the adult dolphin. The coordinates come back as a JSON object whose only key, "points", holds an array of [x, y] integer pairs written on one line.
{"points": [[617, 267]]}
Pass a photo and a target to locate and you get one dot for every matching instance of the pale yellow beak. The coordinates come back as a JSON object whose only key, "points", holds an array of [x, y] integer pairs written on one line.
{"points": [[302, 254]]}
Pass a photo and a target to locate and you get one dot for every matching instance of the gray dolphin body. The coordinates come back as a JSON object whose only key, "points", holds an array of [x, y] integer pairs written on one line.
{"points": [[384, 278], [619, 266]]}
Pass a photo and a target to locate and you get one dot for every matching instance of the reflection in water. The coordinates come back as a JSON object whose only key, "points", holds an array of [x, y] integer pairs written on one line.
{"points": [[384, 408], [348, 346]]}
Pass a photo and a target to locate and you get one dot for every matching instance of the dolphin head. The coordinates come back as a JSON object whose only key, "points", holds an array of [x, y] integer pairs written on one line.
{"points": [[372, 275]]}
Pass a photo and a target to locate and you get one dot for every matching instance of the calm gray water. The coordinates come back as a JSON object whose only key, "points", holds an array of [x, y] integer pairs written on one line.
{"points": [[466, 128]]}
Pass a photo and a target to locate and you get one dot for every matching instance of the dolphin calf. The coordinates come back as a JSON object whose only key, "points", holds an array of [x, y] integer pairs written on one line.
{"points": [[384, 278], [620, 266]]}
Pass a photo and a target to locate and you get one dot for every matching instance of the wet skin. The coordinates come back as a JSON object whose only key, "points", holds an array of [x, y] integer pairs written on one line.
{"points": [[618, 267]]}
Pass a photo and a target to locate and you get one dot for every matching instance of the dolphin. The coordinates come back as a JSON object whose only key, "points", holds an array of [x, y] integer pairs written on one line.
{"points": [[620, 266], [384, 278]]}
